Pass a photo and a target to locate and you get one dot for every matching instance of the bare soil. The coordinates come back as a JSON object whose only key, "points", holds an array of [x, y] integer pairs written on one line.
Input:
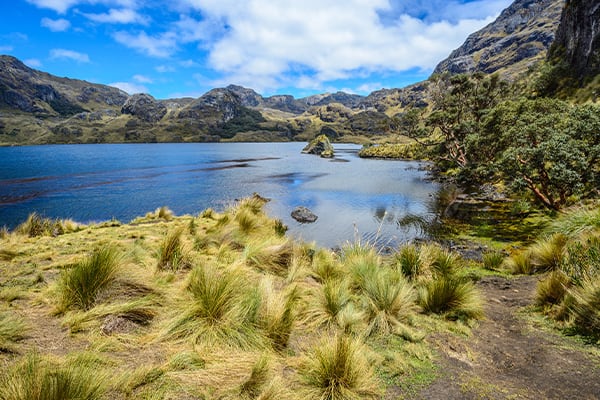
{"points": [[510, 357]]}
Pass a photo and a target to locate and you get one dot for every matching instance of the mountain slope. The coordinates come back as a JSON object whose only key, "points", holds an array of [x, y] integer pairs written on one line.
{"points": [[518, 38]]}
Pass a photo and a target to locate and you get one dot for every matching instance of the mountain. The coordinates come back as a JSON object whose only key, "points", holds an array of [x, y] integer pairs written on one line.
{"points": [[518, 38], [577, 42], [30, 91]]}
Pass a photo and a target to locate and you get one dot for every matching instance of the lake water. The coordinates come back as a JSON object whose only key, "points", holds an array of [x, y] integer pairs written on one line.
{"points": [[353, 197]]}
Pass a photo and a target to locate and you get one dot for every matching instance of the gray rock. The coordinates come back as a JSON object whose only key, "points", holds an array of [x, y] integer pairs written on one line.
{"points": [[145, 107], [303, 215], [319, 146]]}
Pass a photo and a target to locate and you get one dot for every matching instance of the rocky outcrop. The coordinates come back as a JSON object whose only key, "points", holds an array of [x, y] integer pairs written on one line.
{"points": [[319, 146], [578, 39], [518, 38], [145, 107]]}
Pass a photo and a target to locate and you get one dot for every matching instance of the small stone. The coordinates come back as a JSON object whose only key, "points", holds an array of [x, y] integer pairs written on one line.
{"points": [[303, 215]]}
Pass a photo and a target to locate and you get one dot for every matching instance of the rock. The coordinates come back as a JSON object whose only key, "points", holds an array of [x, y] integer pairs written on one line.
{"points": [[145, 107], [520, 36], [578, 39], [304, 215], [319, 146]]}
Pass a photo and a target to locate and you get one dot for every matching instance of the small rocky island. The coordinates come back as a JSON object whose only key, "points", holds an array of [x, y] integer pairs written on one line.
{"points": [[319, 146]]}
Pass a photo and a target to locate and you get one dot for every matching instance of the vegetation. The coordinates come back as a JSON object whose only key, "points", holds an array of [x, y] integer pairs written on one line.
{"points": [[255, 315]]}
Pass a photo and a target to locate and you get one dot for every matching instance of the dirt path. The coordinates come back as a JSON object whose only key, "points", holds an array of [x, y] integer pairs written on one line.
{"points": [[509, 358]]}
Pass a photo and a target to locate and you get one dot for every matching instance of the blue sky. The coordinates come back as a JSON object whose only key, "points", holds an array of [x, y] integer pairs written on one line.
{"points": [[182, 48]]}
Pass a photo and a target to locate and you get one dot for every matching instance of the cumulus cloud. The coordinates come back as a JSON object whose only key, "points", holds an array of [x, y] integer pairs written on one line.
{"points": [[271, 44], [129, 87], [118, 16], [56, 25], [162, 46], [62, 6], [69, 55]]}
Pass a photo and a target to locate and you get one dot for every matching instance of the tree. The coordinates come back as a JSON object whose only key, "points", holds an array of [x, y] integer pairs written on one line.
{"points": [[460, 104], [539, 151]]}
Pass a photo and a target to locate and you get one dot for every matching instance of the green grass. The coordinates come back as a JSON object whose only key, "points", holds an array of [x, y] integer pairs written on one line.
{"points": [[493, 260], [80, 286], [552, 289], [548, 253]]}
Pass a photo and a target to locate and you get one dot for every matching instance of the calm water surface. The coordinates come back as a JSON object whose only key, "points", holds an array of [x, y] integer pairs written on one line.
{"points": [[354, 198]]}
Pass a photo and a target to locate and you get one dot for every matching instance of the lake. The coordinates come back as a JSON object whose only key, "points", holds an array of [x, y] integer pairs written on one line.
{"points": [[354, 198]]}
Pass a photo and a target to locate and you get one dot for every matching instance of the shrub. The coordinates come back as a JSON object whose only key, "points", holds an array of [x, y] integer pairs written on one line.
{"points": [[81, 285], [36, 378], [338, 369], [453, 297], [171, 254]]}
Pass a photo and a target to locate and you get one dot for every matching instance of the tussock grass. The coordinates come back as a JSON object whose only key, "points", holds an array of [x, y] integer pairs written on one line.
{"points": [[519, 263], [80, 286], [172, 254], [259, 376], [12, 329], [247, 220], [585, 307], [409, 261], [445, 263], [277, 313], [266, 256], [186, 360], [36, 225], [325, 305], [453, 297], [325, 266], [553, 289], [278, 227], [362, 262], [338, 369], [576, 222], [493, 260], [220, 309], [38, 378], [548, 253], [389, 303]]}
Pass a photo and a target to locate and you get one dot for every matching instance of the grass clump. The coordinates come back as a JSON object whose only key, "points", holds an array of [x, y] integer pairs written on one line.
{"points": [[520, 263], [325, 306], [389, 303], [171, 254], [36, 225], [493, 260], [80, 286], [453, 297], [219, 309], [277, 314], [576, 222], [338, 369], [585, 307], [37, 378], [12, 329], [408, 260], [547, 254]]}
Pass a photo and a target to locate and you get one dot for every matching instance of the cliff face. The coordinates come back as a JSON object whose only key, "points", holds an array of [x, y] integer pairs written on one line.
{"points": [[519, 37], [578, 39]]}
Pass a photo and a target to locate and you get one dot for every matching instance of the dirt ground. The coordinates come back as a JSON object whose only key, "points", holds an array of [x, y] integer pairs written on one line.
{"points": [[508, 357]]}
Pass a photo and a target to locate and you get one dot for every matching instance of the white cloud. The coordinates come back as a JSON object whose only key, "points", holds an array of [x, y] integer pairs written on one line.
{"points": [[121, 16], [269, 44], [56, 25], [188, 63], [6, 49], [142, 79], [33, 62], [164, 69], [70, 55], [130, 88], [161, 46], [61, 6]]}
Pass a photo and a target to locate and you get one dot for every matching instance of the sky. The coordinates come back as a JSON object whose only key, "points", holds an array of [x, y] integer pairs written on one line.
{"points": [[183, 48]]}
